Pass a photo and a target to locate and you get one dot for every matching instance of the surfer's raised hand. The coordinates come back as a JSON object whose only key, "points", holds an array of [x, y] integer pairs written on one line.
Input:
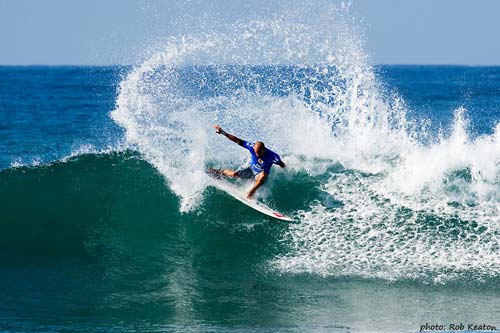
{"points": [[231, 137], [218, 129]]}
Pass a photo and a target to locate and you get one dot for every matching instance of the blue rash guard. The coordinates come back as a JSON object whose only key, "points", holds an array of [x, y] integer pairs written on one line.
{"points": [[265, 163]]}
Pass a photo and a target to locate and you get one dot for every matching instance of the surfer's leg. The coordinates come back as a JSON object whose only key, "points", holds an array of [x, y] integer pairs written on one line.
{"points": [[260, 178], [240, 173], [224, 172], [229, 173]]}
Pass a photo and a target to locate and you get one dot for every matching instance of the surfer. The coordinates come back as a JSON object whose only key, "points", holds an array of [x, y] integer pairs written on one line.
{"points": [[261, 161]]}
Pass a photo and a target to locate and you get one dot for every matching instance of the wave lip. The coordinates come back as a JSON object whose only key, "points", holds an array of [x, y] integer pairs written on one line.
{"points": [[304, 87]]}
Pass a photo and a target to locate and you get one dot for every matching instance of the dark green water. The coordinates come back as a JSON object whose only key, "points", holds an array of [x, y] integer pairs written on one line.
{"points": [[97, 243]]}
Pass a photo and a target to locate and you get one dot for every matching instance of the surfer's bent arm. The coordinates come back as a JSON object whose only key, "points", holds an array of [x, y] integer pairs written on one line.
{"points": [[277, 160], [231, 137]]}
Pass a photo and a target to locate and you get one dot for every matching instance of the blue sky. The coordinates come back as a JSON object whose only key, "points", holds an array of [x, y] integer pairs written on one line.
{"points": [[113, 31]]}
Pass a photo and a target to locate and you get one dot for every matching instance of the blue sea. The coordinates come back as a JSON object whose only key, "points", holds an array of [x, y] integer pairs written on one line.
{"points": [[109, 222]]}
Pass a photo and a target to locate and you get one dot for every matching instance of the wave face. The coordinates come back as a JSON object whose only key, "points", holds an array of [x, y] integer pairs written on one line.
{"points": [[100, 236], [394, 199], [57, 209]]}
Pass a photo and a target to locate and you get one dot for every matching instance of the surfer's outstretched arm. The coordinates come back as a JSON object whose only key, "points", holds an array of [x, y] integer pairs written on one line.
{"points": [[231, 137]]}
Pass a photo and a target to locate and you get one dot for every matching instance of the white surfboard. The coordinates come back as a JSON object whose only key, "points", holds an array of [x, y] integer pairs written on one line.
{"points": [[239, 195]]}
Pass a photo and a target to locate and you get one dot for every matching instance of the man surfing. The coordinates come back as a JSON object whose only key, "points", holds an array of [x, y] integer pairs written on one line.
{"points": [[261, 161]]}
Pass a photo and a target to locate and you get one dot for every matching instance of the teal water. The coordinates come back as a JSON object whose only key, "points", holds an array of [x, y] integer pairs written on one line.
{"points": [[97, 243]]}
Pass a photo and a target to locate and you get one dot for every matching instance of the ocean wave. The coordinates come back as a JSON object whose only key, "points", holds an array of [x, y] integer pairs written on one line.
{"points": [[375, 194], [95, 205], [404, 205]]}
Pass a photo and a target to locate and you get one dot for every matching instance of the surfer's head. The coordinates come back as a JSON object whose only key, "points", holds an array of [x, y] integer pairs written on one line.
{"points": [[259, 148]]}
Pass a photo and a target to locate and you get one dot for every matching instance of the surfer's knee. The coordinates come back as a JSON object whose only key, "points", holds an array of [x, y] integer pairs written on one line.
{"points": [[261, 177]]}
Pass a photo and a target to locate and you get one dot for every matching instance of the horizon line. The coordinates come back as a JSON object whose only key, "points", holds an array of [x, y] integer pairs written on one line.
{"points": [[132, 65]]}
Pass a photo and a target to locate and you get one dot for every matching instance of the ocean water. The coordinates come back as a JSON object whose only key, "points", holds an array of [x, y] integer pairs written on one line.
{"points": [[109, 225]]}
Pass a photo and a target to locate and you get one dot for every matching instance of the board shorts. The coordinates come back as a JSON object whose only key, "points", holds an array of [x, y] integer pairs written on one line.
{"points": [[246, 172]]}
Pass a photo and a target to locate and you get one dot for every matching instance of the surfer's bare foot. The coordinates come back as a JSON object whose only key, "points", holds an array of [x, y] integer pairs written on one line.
{"points": [[249, 196], [214, 172]]}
